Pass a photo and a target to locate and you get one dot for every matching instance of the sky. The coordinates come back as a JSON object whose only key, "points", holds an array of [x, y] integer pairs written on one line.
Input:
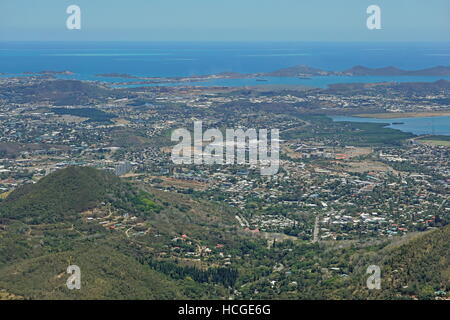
{"points": [[225, 20]]}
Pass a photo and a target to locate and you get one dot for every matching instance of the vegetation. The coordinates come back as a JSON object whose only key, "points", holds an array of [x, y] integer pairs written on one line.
{"points": [[94, 115], [224, 276], [353, 133], [60, 196], [42, 233], [106, 274]]}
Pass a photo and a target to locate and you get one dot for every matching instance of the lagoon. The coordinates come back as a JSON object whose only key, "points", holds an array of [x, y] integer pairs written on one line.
{"points": [[418, 125]]}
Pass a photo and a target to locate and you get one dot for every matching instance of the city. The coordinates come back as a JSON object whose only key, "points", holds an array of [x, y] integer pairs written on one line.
{"points": [[135, 167]]}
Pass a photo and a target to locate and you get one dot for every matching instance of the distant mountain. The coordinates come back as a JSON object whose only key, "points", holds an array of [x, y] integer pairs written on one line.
{"points": [[306, 71], [364, 71], [435, 71], [58, 92], [393, 71], [420, 88]]}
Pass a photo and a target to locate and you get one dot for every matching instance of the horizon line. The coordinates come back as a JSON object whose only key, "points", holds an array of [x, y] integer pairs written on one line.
{"points": [[238, 41]]}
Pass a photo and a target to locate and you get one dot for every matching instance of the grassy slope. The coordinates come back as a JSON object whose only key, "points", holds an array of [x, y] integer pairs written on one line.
{"points": [[105, 274], [415, 268]]}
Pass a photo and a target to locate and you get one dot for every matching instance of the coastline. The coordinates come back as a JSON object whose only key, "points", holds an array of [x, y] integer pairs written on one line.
{"points": [[391, 115]]}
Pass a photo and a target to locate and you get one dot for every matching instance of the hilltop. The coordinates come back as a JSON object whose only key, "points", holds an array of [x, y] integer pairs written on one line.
{"points": [[43, 229], [58, 92], [63, 195], [60, 195]]}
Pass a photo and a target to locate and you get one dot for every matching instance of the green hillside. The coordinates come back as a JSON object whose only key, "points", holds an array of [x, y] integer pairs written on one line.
{"points": [[416, 268], [60, 196], [106, 274], [136, 242], [42, 231]]}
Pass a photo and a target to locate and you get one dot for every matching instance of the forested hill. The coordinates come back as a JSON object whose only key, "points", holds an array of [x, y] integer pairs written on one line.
{"points": [[415, 268], [44, 227], [60, 195]]}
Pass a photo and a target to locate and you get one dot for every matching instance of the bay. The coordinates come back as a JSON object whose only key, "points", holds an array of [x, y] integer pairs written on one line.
{"points": [[418, 125]]}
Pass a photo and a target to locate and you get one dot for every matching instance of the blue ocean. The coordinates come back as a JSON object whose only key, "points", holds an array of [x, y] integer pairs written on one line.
{"points": [[178, 59]]}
